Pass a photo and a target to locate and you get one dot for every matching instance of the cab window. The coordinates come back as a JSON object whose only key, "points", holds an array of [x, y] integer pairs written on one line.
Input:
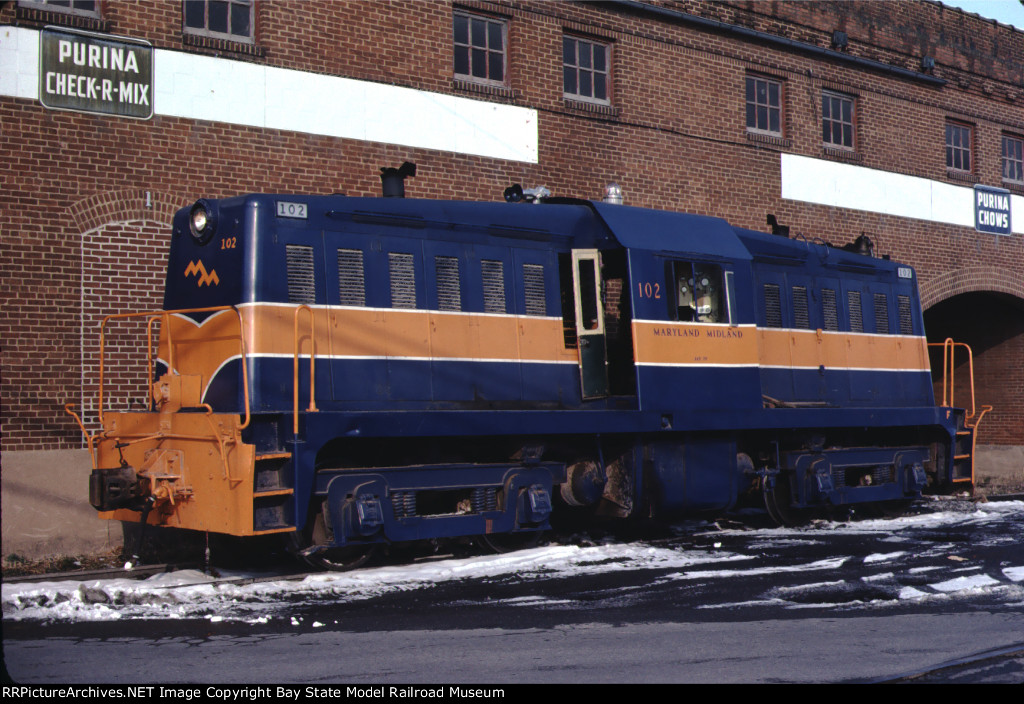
{"points": [[699, 293]]}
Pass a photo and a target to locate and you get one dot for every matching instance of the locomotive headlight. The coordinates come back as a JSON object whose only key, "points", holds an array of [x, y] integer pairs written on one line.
{"points": [[202, 221]]}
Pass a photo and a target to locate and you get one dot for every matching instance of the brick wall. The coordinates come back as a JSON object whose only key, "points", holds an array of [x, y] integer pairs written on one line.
{"points": [[88, 199]]}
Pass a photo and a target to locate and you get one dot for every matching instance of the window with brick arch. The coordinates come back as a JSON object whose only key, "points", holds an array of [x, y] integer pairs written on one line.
{"points": [[1013, 159], [220, 19], [837, 120], [764, 106], [959, 143], [585, 65], [479, 48]]}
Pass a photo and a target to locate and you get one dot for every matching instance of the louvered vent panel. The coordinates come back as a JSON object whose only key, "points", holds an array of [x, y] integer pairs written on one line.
{"points": [[801, 315], [403, 280], [351, 282], [301, 282], [449, 290], [493, 273], [772, 306], [856, 319], [881, 314], [829, 309], [533, 287], [906, 320]]}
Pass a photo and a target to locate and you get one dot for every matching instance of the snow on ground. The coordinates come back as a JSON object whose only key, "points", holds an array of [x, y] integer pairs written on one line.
{"points": [[192, 594]]}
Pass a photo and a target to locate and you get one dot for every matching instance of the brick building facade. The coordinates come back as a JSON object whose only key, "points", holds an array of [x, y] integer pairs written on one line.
{"points": [[840, 118]]}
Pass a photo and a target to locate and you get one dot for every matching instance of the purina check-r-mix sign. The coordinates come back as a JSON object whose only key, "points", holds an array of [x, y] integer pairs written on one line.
{"points": [[95, 73]]}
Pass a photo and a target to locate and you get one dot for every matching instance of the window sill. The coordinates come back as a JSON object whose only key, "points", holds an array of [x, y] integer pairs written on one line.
{"points": [[36, 15], [1014, 186], [840, 154], [963, 176], [583, 106], [489, 89], [217, 44], [773, 140]]}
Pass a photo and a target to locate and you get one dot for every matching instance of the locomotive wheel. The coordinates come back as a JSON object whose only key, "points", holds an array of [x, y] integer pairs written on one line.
{"points": [[311, 546], [777, 501], [502, 543]]}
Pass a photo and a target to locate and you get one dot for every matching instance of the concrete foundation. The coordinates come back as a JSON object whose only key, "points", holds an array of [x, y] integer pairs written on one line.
{"points": [[46, 511], [45, 507]]}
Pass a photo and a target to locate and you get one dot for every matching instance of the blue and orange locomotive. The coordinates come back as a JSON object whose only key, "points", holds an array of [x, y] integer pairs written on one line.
{"points": [[358, 371]]}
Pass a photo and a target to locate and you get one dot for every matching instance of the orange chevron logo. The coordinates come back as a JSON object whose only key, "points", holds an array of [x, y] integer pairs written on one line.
{"points": [[200, 271]]}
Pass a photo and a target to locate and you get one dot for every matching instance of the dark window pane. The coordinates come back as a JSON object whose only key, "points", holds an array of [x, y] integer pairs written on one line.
{"points": [[848, 136], [750, 90], [495, 40], [599, 87], [826, 132], [751, 115], [568, 51], [461, 29], [762, 117], [773, 94], [462, 60], [585, 54], [826, 108], [480, 63], [240, 20], [762, 92], [496, 69], [600, 56], [195, 14], [773, 121], [848, 111], [218, 16], [479, 32], [569, 78]]}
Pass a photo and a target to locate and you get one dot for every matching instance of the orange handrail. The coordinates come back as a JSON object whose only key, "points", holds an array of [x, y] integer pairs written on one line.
{"points": [[312, 367], [949, 376], [164, 316]]}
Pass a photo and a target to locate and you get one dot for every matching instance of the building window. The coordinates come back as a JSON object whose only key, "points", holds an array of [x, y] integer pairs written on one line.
{"points": [[479, 44], [89, 8], [958, 147], [1013, 159], [585, 70], [222, 19], [764, 106], [837, 120]]}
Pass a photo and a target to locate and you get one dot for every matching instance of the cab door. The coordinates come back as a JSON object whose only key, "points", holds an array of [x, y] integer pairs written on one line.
{"points": [[590, 331]]}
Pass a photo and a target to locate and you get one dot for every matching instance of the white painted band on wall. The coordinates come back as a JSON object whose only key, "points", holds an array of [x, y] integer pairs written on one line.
{"points": [[235, 92], [859, 188]]}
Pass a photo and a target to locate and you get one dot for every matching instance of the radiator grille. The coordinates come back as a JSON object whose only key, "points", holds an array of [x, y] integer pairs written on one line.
{"points": [[402, 268], [881, 314], [533, 288], [493, 273], [449, 288], [351, 282], [301, 281], [772, 306]]}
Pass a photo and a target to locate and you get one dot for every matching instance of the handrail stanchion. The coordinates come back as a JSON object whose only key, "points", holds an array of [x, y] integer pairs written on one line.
{"points": [[312, 367]]}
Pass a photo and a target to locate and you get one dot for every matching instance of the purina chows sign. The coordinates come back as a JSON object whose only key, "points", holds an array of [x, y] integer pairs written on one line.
{"points": [[95, 73], [992, 210]]}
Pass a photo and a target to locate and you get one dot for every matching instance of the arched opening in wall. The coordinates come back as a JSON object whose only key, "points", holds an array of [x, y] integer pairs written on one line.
{"points": [[123, 271], [993, 325]]}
